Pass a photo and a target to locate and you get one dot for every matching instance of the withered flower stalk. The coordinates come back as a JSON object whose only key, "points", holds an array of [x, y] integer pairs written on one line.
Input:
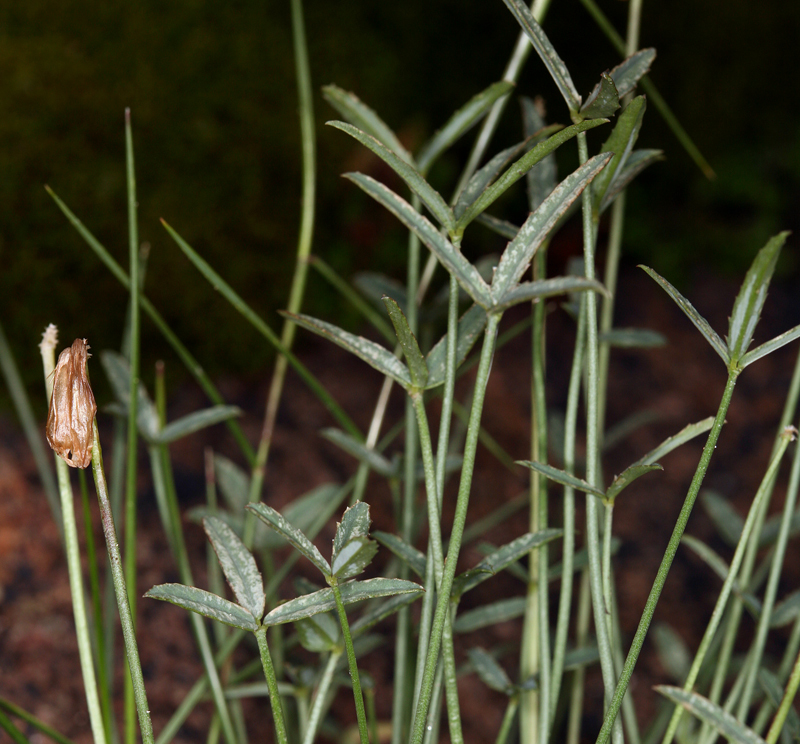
{"points": [[72, 407]]}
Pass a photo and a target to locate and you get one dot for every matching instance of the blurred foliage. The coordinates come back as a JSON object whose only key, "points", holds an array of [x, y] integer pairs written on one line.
{"points": [[212, 92]]}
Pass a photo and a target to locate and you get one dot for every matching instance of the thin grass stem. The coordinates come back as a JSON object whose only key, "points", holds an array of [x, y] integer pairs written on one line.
{"points": [[272, 683], [320, 695], [786, 704]]}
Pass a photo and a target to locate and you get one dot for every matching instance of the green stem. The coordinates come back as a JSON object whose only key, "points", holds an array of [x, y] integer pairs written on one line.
{"points": [[120, 589], [508, 720], [786, 704], [462, 503], [318, 705], [666, 561], [33, 721], [272, 683], [727, 587], [358, 695]]}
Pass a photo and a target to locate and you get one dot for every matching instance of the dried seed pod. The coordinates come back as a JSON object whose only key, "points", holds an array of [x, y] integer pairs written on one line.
{"points": [[72, 407]]}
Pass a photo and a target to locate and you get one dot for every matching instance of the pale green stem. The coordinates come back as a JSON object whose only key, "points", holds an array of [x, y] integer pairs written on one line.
{"points": [[666, 561], [508, 720], [462, 503], [727, 587], [120, 589], [358, 696], [786, 704], [581, 639], [318, 704], [272, 683]]}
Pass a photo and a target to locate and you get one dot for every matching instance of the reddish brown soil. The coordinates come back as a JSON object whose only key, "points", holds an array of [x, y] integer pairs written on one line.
{"points": [[681, 383]]}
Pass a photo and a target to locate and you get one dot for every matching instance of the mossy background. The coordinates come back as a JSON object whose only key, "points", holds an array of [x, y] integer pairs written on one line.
{"points": [[212, 92]]}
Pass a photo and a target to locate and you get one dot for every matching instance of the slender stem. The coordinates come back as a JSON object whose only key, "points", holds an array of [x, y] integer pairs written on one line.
{"points": [[462, 503], [318, 704], [786, 704], [120, 589], [666, 561], [727, 587], [272, 683], [508, 720], [581, 639], [353, 663]]}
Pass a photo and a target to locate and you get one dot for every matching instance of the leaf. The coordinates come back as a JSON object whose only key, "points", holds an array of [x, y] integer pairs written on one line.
{"points": [[354, 110], [699, 321], [377, 356], [769, 346], [233, 482], [637, 161], [490, 614], [470, 327], [118, 371], [632, 338], [725, 518], [430, 197], [361, 452], [206, 604], [462, 121], [542, 177], [620, 142], [787, 611], [379, 611], [352, 548], [279, 523], [319, 633], [673, 653], [752, 295], [195, 422], [518, 254], [502, 558], [628, 72], [489, 671], [712, 714], [603, 101], [543, 288], [413, 558], [626, 477], [375, 285], [518, 169], [324, 601], [238, 565], [771, 686], [554, 64], [408, 342], [451, 258], [562, 477]]}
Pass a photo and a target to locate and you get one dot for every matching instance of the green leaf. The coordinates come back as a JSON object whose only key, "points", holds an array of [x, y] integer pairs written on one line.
{"points": [[626, 477], [206, 604], [461, 121], [489, 671], [699, 321], [554, 64], [413, 558], [470, 327], [712, 714], [620, 142], [352, 548], [430, 197], [451, 258], [358, 113], [632, 338], [562, 477], [375, 285], [628, 72], [501, 559], [238, 565], [118, 371], [543, 288], [769, 346], [408, 342], [603, 101], [490, 614], [323, 600], [542, 178], [786, 611], [195, 422], [637, 161], [771, 686], [361, 452], [726, 519], [319, 633], [673, 653], [373, 354], [518, 254], [503, 228], [752, 295], [280, 524], [518, 169], [233, 482], [380, 611], [686, 434]]}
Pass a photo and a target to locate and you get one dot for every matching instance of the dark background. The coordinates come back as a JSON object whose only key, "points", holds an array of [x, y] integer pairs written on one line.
{"points": [[212, 92]]}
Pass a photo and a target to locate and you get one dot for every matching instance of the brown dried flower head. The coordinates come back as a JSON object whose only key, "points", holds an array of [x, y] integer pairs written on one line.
{"points": [[72, 407]]}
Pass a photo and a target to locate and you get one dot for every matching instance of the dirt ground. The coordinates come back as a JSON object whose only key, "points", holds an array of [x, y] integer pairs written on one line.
{"points": [[680, 383]]}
